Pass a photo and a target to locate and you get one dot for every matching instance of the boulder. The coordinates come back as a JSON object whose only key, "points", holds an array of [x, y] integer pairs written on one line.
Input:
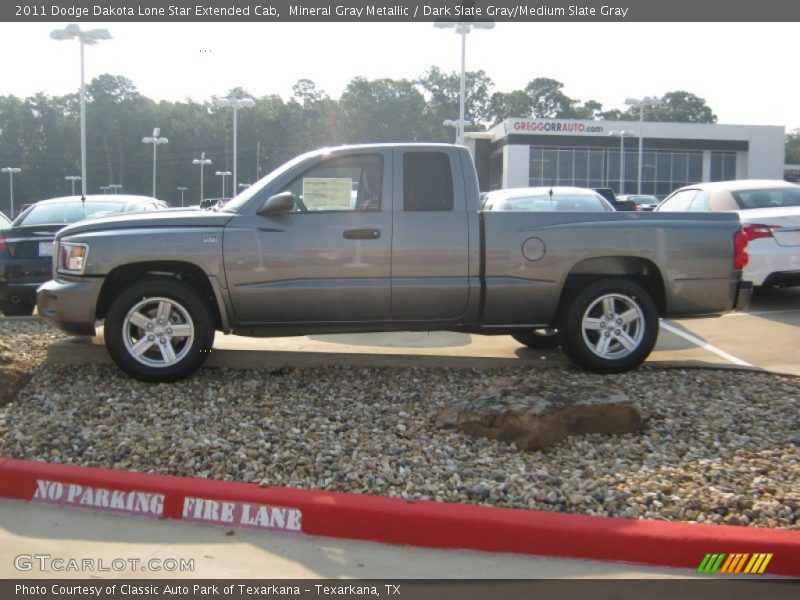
{"points": [[535, 417]]}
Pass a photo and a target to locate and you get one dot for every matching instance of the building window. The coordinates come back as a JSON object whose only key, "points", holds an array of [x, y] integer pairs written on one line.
{"points": [[723, 166], [662, 170]]}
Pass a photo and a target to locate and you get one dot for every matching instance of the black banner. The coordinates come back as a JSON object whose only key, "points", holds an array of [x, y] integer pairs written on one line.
{"points": [[319, 589], [598, 11]]}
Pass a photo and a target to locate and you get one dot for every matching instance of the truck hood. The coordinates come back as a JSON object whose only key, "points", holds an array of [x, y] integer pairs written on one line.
{"points": [[178, 217]]}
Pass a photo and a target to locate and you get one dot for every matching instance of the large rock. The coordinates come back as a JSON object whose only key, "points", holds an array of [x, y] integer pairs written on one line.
{"points": [[535, 417]]}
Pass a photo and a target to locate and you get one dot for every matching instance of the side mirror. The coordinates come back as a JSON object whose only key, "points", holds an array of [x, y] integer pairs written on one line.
{"points": [[277, 204]]}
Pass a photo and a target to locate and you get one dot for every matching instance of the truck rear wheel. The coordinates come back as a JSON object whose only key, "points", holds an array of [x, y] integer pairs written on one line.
{"points": [[159, 330], [610, 326]]}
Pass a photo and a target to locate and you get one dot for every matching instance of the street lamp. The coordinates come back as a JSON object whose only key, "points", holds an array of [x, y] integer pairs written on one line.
{"points": [[622, 135], [235, 104], [454, 124], [115, 187], [463, 27], [223, 174], [649, 101], [91, 37], [202, 161], [155, 140], [105, 188], [72, 179], [11, 171], [181, 190]]}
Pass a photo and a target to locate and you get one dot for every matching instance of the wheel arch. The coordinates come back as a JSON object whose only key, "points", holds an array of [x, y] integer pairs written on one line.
{"points": [[642, 271], [124, 275]]}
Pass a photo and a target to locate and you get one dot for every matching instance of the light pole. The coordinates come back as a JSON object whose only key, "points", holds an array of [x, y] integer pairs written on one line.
{"points": [[235, 104], [155, 140], [91, 37], [202, 161], [105, 188], [11, 171], [454, 124], [72, 179], [463, 27], [181, 190], [223, 174], [115, 187], [622, 135], [649, 101]]}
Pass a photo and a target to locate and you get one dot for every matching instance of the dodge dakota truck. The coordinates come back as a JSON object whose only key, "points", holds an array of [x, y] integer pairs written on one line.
{"points": [[387, 237]]}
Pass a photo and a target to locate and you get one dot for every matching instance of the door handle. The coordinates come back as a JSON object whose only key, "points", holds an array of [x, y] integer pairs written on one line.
{"points": [[362, 234]]}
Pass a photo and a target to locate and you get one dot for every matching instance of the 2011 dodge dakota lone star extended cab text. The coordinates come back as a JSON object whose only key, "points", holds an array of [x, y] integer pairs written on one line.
{"points": [[384, 238]]}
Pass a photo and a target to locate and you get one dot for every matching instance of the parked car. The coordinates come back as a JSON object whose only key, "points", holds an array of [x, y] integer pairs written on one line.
{"points": [[558, 198], [5, 222], [642, 201], [26, 248], [290, 256], [770, 214], [616, 202]]}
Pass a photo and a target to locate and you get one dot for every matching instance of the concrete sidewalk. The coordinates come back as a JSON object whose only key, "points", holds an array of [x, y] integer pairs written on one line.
{"points": [[27, 529]]}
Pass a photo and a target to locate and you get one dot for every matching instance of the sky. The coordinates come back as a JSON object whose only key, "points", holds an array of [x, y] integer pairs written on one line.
{"points": [[743, 70]]}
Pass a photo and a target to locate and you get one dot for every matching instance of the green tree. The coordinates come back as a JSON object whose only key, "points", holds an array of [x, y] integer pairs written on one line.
{"points": [[793, 149], [442, 92], [382, 110], [676, 107]]}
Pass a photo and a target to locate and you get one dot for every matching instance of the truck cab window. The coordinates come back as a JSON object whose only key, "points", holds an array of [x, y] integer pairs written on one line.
{"points": [[427, 182], [353, 183]]}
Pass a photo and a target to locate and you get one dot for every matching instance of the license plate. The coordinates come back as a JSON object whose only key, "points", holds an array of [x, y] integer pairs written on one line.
{"points": [[45, 248]]}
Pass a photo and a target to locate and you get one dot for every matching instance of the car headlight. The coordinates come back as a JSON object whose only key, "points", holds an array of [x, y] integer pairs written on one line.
{"points": [[72, 258]]}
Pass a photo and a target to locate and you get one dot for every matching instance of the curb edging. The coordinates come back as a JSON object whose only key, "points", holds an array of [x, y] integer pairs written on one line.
{"points": [[420, 523]]}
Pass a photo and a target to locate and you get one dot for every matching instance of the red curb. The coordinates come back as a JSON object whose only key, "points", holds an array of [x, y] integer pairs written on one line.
{"points": [[434, 524]]}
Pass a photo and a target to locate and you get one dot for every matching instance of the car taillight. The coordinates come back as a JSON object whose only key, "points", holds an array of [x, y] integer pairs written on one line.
{"points": [[753, 231], [740, 257]]}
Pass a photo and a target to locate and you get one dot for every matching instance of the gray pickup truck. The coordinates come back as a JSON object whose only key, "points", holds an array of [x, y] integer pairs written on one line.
{"points": [[386, 238]]}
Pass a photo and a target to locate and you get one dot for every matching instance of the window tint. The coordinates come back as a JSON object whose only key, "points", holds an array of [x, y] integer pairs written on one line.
{"points": [[427, 182], [340, 184], [69, 212], [789, 196], [678, 202]]}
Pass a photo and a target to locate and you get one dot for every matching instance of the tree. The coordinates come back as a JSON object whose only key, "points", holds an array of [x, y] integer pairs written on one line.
{"points": [[442, 92], [676, 107], [793, 148], [516, 104], [382, 110], [548, 101]]}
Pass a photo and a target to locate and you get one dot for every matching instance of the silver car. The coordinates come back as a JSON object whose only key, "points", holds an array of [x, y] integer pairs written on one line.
{"points": [[770, 214], [546, 199]]}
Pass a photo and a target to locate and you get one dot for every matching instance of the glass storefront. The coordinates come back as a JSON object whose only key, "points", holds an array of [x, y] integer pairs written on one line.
{"points": [[662, 170]]}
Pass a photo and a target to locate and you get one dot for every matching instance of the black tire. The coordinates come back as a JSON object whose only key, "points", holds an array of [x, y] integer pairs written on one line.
{"points": [[621, 343], [17, 309], [163, 355], [539, 339]]}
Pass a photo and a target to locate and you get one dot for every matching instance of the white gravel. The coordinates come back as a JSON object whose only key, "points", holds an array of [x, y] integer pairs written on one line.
{"points": [[717, 446]]}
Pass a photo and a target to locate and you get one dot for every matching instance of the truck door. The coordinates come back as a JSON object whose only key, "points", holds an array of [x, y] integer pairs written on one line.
{"points": [[430, 244], [326, 261]]}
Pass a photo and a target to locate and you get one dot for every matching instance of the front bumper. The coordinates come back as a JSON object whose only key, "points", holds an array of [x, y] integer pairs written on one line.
{"points": [[70, 304], [744, 292]]}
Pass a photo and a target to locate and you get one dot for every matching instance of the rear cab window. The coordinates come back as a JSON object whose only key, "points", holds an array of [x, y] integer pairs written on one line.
{"points": [[427, 182], [768, 198]]}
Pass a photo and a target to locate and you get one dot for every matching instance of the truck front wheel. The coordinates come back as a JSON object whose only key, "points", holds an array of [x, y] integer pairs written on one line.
{"points": [[610, 326], [159, 330]]}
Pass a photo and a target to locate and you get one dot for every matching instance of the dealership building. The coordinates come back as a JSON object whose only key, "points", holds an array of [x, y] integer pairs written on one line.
{"points": [[585, 153]]}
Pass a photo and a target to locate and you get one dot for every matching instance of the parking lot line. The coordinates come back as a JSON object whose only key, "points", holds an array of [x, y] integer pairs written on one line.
{"points": [[705, 345]]}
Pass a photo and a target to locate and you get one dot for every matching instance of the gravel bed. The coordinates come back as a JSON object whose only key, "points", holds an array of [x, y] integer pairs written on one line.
{"points": [[718, 446]]}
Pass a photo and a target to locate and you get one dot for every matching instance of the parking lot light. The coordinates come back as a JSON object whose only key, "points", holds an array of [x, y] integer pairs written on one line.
{"points": [[91, 37], [72, 179], [202, 161], [182, 189], [622, 135], [235, 104], [156, 141], [634, 102], [223, 174], [11, 171]]}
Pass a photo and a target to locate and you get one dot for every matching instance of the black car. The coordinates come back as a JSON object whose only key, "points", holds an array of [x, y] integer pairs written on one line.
{"points": [[26, 248]]}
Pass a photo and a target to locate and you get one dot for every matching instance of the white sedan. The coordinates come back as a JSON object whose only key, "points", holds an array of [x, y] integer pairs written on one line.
{"points": [[770, 214]]}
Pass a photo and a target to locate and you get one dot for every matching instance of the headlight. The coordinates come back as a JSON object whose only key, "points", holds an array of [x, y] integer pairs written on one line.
{"points": [[72, 258]]}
